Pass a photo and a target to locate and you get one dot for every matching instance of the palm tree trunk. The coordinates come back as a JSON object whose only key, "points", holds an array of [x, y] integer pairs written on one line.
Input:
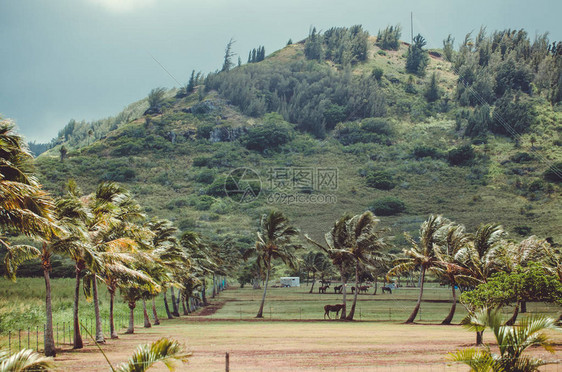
{"points": [[145, 314], [203, 293], [344, 291], [418, 304], [214, 287], [313, 281], [99, 332], [260, 312], [77, 344], [479, 337], [131, 328], [449, 317], [49, 337], [175, 311], [376, 284], [511, 321], [352, 312], [154, 312], [166, 306], [523, 307], [183, 305], [112, 330]]}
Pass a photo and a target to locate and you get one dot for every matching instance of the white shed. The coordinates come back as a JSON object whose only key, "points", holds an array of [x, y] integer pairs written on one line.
{"points": [[290, 281]]}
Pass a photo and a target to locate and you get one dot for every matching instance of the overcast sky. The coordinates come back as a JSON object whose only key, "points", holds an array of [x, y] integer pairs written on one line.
{"points": [[88, 59]]}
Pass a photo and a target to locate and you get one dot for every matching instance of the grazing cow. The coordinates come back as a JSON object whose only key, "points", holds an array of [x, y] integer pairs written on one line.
{"points": [[338, 288], [364, 288], [323, 288], [334, 308], [386, 289]]}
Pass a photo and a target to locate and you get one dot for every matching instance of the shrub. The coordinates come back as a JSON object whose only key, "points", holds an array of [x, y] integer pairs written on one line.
{"points": [[205, 176], [380, 180], [554, 173], [377, 73], [378, 126], [388, 206], [201, 161], [461, 155], [273, 133], [422, 151], [522, 230]]}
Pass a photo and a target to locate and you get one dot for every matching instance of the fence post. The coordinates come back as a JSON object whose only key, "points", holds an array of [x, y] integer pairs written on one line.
{"points": [[9, 343], [19, 339], [63, 332], [227, 360], [28, 337], [37, 339], [57, 339]]}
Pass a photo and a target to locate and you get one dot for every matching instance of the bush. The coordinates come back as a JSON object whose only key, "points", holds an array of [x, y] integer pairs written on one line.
{"points": [[461, 155], [422, 151], [554, 173], [201, 161], [388, 206], [378, 126], [205, 176], [273, 133], [380, 180]]}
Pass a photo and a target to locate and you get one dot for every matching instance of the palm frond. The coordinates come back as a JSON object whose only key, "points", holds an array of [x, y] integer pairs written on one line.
{"points": [[26, 360], [164, 350]]}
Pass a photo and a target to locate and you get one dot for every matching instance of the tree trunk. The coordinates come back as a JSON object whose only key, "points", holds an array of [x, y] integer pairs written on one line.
{"points": [[167, 307], [511, 321], [49, 336], [203, 293], [175, 311], [99, 332], [418, 304], [145, 314], [479, 337], [131, 328], [154, 312], [260, 312], [352, 311], [183, 305], [313, 281], [344, 292], [112, 330], [376, 284], [523, 307], [214, 286], [77, 344], [449, 317]]}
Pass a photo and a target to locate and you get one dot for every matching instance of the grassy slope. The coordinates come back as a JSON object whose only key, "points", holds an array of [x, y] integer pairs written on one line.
{"points": [[166, 181]]}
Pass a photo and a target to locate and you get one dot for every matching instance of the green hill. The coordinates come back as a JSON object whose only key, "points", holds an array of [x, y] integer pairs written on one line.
{"points": [[338, 105]]}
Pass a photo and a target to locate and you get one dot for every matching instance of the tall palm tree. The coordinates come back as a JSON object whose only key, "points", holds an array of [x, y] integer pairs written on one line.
{"points": [[448, 269], [512, 342], [25, 208], [361, 242], [425, 255], [273, 242]]}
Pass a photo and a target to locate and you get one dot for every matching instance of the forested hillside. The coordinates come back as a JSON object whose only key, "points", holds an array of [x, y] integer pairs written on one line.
{"points": [[473, 133]]}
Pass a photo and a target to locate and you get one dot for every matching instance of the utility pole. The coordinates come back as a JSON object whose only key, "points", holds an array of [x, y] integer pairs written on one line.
{"points": [[411, 28]]}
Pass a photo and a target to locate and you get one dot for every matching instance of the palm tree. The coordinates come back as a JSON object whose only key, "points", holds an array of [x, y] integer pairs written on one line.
{"points": [[25, 208], [25, 360], [273, 242], [448, 269], [512, 342], [354, 239], [425, 255]]}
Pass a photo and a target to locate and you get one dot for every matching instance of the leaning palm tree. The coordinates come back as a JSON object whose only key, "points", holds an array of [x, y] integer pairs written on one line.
{"points": [[25, 208], [25, 360], [512, 342], [358, 240], [425, 255], [273, 242]]}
